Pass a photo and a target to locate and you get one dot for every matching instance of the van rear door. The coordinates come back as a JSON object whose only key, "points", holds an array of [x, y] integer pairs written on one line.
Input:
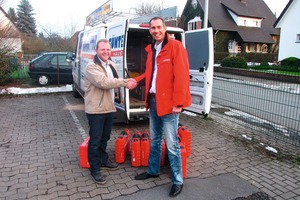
{"points": [[117, 34], [199, 44]]}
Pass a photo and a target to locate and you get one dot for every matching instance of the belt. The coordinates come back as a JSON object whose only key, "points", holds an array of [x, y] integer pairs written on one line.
{"points": [[153, 95]]}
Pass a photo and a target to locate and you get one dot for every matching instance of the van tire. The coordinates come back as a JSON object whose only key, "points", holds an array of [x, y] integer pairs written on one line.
{"points": [[76, 94], [43, 80]]}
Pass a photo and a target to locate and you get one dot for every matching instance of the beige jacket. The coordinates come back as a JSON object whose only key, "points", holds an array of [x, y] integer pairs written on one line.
{"points": [[97, 96]]}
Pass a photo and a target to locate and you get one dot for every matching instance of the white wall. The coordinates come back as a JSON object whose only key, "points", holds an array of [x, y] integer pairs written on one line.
{"points": [[290, 27], [14, 44], [6, 26]]}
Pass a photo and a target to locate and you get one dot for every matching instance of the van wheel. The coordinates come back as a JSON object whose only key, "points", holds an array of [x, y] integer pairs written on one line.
{"points": [[43, 80], [76, 94]]}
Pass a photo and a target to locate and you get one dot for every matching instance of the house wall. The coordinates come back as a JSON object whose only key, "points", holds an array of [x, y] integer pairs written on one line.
{"points": [[245, 21], [221, 39], [7, 28], [10, 37], [14, 45], [288, 47], [3, 20]]}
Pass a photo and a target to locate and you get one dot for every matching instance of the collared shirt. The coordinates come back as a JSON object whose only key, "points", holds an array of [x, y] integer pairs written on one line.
{"points": [[153, 84], [110, 75]]}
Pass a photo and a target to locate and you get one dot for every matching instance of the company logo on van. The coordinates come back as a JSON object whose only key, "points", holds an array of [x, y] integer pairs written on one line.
{"points": [[117, 42]]}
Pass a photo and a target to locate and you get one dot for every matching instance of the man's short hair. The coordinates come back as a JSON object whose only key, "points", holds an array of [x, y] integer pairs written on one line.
{"points": [[155, 18], [102, 40]]}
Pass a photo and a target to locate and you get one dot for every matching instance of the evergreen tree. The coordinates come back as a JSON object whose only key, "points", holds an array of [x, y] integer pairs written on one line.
{"points": [[12, 15], [25, 19]]}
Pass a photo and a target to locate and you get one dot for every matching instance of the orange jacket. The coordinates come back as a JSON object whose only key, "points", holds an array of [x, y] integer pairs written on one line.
{"points": [[173, 79]]}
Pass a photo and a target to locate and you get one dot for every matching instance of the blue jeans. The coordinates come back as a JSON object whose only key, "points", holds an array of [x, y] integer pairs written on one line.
{"points": [[100, 130], [167, 124]]}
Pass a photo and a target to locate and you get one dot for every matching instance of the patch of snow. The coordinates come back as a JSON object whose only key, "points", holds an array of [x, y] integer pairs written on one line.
{"points": [[271, 149], [286, 87], [253, 64], [14, 90], [246, 137], [189, 113]]}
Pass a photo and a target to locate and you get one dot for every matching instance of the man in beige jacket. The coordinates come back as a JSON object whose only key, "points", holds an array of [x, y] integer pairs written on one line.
{"points": [[101, 79]]}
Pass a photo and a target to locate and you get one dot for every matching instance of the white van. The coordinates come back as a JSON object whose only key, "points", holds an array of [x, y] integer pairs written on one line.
{"points": [[128, 42]]}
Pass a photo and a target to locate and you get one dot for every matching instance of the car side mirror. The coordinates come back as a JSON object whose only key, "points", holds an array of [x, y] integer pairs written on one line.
{"points": [[70, 57]]}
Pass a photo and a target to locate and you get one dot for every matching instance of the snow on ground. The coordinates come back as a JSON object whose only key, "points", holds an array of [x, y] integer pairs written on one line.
{"points": [[15, 90], [286, 87]]}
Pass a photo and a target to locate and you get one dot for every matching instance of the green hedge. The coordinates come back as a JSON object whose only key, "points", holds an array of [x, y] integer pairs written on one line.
{"points": [[4, 69], [8, 64], [291, 62], [275, 67], [259, 57], [250, 57], [219, 56], [234, 61]]}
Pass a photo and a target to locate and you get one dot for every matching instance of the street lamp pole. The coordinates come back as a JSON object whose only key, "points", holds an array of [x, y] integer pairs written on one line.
{"points": [[205, 14]]}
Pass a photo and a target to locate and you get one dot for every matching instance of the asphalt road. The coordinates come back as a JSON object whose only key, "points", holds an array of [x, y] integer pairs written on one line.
{"points": [[273, 101]]}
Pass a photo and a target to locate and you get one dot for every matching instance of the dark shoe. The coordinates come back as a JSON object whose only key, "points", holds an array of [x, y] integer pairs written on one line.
{"points": [[98, 178], [175, 190], [145, 176], [109, 165]]}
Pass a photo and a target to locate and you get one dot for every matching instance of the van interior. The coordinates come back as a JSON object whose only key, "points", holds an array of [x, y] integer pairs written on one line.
{"points": [[137, 40]]}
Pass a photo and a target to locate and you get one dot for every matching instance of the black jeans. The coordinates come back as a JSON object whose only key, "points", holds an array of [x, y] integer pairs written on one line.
{"points": [[100, 130]]}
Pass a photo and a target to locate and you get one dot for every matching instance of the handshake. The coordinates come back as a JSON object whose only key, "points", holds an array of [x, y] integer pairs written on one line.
{"points": [[131, 83]]}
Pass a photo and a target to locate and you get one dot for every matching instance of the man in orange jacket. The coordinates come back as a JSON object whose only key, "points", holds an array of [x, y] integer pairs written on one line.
{"points": [[167, 93]]}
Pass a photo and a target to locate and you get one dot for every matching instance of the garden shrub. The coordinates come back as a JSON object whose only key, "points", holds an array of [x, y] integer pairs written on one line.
{"points": [[259, 57], [264, 64], [292, 62], [219, 56], [4, 69], [234, 61]]}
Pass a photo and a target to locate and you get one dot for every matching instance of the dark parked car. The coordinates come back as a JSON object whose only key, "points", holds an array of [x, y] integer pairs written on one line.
{"points": [[51, 67]]}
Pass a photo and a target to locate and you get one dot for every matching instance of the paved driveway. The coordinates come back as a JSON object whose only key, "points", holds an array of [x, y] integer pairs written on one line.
{"points": [[40, 136]]}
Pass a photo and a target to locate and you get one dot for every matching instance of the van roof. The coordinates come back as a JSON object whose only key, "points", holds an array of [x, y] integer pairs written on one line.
{"points": [[135, 26], [144, 26]]}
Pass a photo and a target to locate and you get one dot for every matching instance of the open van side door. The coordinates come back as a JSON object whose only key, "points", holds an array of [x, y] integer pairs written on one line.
{"points": [[199, 44], [117, 34]]}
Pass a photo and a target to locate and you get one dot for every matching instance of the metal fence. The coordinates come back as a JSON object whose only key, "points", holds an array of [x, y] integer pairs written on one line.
{"points": [[23, 67], [271, 109]]}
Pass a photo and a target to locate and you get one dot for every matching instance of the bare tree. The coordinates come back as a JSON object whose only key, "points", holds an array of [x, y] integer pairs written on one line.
{"points": [[48, 31], [70, 28], [33, 45], [147, 8]]}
